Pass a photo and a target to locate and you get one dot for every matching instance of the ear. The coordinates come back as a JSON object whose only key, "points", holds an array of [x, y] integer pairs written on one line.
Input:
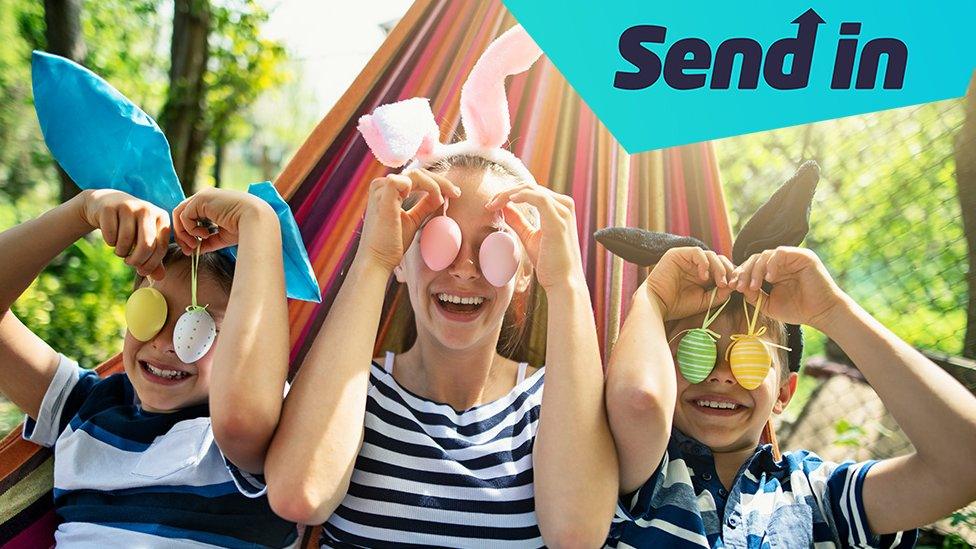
{"points": [[640, 246], [398, 273], [484, 104], [398, 132], [786, 391], [783, 220]]}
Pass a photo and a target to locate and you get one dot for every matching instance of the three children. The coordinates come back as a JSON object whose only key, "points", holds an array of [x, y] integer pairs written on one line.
{"points": [[453, 443]]}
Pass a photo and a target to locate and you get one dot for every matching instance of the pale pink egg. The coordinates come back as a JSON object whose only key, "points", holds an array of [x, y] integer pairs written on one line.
{"points": [[440, 242], [499, 258]]}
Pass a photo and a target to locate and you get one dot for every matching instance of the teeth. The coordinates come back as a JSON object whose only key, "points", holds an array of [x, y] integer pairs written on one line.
{"points": [[448, 298], [717, 405], [168, 374]]}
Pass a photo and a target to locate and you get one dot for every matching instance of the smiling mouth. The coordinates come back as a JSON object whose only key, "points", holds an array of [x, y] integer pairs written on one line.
{"points": [[163, 375], [458, 305], [717, 407]]}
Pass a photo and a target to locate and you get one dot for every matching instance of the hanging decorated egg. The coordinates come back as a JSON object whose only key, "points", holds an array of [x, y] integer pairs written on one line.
{"points": [[750, 361], [145, 313], [696, 355], [440, 242], [194, 334], [498, 258]]}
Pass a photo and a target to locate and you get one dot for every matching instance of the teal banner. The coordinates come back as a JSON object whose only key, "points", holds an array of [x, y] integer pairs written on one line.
{"points": [[664, 74]]}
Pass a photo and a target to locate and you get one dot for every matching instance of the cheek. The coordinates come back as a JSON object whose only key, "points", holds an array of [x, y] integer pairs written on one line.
{"points": [[130, 347]]}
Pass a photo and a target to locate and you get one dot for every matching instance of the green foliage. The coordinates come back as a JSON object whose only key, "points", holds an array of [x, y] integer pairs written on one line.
{"points": [[77, 303], [23, 157], [849, 434], [243, 65], [886, 220]]}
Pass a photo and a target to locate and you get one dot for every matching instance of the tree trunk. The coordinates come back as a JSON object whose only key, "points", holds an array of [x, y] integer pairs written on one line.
{"points": [[62, 20], [219, 146], [965, 155], [183, 118]]}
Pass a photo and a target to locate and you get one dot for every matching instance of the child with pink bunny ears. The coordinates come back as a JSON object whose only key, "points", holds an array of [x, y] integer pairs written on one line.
{"points": [[452, 443]]}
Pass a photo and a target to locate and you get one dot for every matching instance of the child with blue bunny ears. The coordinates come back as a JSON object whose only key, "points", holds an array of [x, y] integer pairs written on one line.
{"points": [[138, 460]]}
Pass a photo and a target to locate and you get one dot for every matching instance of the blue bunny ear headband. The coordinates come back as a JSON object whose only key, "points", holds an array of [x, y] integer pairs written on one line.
{"points": [[104, 141]]}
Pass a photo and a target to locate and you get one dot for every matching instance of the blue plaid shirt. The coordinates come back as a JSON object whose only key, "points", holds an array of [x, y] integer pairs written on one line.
{"points": [[799, 501]]}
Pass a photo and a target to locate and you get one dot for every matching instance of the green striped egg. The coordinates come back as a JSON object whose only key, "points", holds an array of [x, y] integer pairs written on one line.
{"points": [[696, 355]]}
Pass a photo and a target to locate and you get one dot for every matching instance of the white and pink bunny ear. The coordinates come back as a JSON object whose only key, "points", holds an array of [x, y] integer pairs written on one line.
{"points": [[399, 132], [484, 105]]}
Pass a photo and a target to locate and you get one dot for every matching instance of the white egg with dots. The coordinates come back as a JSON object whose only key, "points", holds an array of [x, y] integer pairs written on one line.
{"points": [[194, 334]]}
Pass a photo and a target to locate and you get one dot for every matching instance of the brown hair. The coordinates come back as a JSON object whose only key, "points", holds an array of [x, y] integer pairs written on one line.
{"points": [[218, 265]]}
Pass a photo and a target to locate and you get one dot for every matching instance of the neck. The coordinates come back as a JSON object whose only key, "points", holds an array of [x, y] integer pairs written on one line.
{"points": [[728, 463], [457, 377]]}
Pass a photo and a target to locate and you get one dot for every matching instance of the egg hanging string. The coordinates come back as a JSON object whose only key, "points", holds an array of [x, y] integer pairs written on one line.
{"points": [[195, 330], [709, 318]]}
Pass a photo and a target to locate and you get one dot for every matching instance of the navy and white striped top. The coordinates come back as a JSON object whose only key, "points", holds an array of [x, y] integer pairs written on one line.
{"points": [[125, 477], [799, 501], [431, 476]]}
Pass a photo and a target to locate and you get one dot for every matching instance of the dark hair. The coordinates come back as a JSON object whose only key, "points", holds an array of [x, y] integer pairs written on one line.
{"points": [[521, 311], [218, 265]]}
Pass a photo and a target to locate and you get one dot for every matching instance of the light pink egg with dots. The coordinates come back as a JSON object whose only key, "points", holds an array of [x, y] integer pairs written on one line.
{"points": [[499, 258], [440, 242]]}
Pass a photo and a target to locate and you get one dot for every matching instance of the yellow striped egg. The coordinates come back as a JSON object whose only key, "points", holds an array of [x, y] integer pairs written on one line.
{"points": [[750, 361]]}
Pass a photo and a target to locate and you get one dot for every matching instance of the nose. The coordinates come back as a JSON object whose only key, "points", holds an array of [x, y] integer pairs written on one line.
{"points": [[163, 341], [722, 372], [465, 266]]}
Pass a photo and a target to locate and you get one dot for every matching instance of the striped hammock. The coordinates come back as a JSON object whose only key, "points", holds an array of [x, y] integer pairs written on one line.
{"points": [[429, 54]]}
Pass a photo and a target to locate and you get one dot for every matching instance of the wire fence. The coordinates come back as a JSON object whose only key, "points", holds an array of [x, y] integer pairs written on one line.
{"points": [[887, 222]]}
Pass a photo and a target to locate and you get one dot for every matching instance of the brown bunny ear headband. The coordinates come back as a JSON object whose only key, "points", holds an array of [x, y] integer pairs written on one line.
{"points": [[783, 220]]}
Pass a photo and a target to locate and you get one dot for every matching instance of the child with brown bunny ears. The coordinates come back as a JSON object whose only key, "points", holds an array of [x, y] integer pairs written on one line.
{"points": [[693, 470]]}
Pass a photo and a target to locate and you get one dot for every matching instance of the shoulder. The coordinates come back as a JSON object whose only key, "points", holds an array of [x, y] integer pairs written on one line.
{"points": [[99, 393]]}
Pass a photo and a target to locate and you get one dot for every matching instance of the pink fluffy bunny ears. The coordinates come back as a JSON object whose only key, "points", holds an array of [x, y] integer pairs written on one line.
{"points": [[405, 133]]}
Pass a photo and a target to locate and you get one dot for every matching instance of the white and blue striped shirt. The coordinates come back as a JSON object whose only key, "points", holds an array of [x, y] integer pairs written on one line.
{"points": [[799, 501], [428, 475], [124, 477]]}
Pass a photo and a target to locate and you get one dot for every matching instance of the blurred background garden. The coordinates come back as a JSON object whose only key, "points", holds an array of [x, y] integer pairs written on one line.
{"points": [[237, 85]]}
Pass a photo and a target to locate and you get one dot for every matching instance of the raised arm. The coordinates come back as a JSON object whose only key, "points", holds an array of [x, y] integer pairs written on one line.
{"points": [[139, 232], [314, 450], [936, 412], [641, 387], [250, 362], [574, 461]]}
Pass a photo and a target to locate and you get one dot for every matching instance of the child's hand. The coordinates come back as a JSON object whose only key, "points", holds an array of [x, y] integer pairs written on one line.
{"points": [[388, 229], [682, 281], [803, 291], [227, 209], [553, 247], [138, 230]]}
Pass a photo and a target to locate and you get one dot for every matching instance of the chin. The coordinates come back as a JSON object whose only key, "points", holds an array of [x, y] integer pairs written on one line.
{"points": [[722, 434]]}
